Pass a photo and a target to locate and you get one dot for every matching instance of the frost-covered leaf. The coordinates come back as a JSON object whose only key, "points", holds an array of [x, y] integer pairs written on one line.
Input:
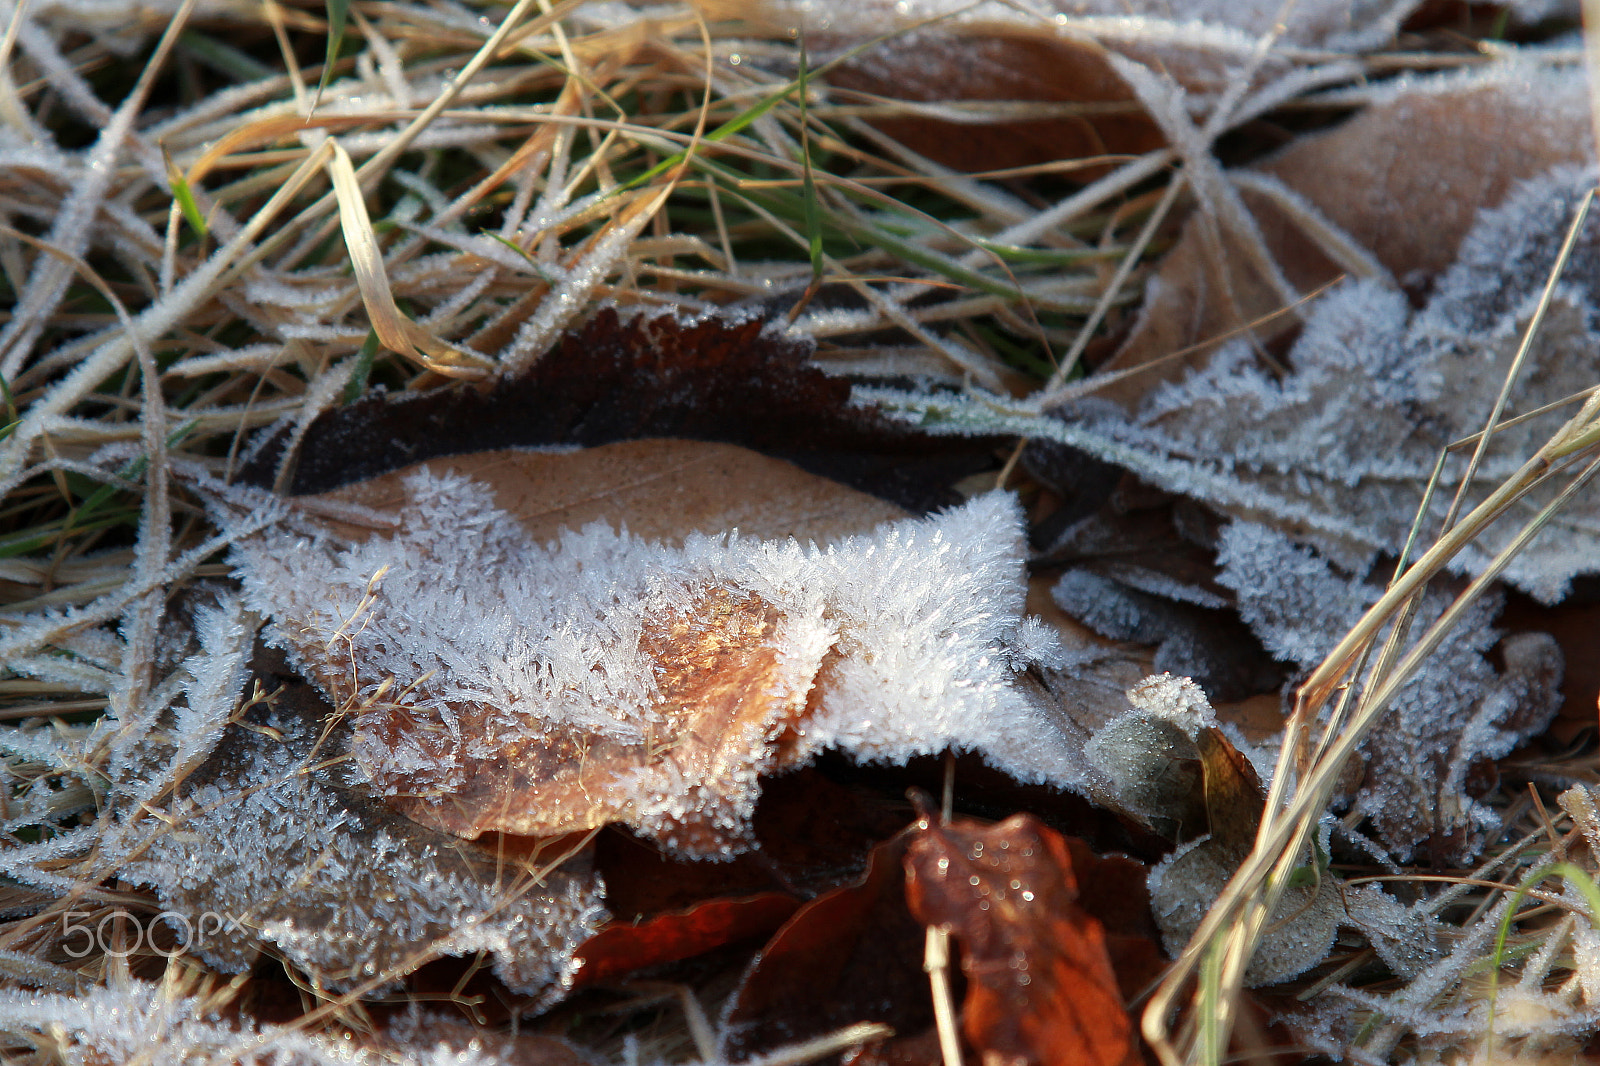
{"points": [[1337, 452], [149, 1022], [1407, 938], [1202, 642], [499, 680], [1458, 714], [269, 843], [975, 62], [1149, 764], [1300, 932], [724, 377], [1166, 763]]}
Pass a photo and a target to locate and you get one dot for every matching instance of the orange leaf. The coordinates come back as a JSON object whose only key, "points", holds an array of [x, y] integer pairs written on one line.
{"points": [[1041, 989], [619, 949]]}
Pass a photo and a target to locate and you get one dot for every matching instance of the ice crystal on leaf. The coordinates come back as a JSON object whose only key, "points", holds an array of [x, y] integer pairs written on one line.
{"points": [[1456, 713], [145, 1022], [1345, 442], [244, 822], [1337, 451], [1167, 764], [267, 845], [1145, 759], [497, 682], [1324, 467]]}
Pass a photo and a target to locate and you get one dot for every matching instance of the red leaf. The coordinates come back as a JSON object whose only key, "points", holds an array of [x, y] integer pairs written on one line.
{"points": [[850, 955], [620, 949], [1041, 989]]}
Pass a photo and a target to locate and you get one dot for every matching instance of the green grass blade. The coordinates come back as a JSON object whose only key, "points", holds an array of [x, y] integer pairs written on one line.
{"points": [[749, 115], [224, 58], [184, 195], [13, 419], [1012, 253], [533, 264], [338, 12], [83, 516], [362, 371], [808, 186], [1578, 878]]}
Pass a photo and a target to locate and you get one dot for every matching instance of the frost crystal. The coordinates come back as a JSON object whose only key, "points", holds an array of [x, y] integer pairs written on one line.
{"points": [[1185, 883], [1349, 437], [1146, 761], [498, 682], [1335, 24], [1338, 451], [262, 846], [144, 1022], [1455, 713]]}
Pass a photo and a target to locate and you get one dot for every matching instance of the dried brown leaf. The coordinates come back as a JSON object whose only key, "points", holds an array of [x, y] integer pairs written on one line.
{"points": [[624, 377], [620, 949], [850, 955], [1404, 180], [529, 678], [727, 687], [1041, 988], [725, 695], [659, 489]]}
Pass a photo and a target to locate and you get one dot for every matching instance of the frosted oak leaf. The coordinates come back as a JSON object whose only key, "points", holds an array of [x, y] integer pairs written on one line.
{"points": [[503, 676]]}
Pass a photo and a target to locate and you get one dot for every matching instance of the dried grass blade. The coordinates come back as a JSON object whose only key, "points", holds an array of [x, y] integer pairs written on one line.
{"points": [[1528, 337], [397, 332], [584, 276], [1234, 922], [112, 353]]}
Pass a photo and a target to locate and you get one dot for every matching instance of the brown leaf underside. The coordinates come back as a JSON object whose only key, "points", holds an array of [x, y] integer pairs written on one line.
{"points": [[1403, 179], [659, 489]]}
